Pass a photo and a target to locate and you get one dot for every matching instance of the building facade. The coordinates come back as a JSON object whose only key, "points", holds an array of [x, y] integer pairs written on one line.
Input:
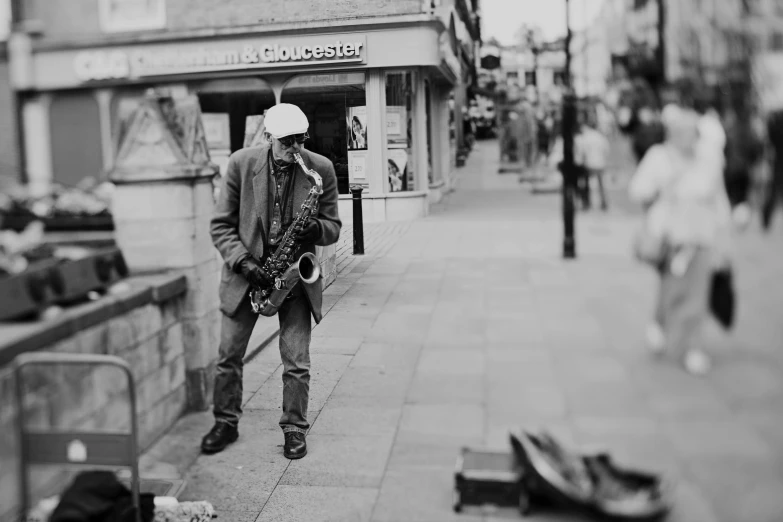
{"points": [[592, 50], [764, 21], [9, 144], [373, 76], [536, 75]]}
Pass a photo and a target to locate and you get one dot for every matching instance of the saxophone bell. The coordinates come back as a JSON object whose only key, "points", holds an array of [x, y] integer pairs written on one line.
{"points": [[305, 269]]}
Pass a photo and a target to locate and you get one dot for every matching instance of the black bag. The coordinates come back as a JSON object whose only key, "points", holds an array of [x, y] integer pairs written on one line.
{"points": [[722, 299]]}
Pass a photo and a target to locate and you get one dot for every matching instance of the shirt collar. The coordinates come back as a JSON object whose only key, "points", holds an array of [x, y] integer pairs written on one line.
{"points": [[279, 168]]}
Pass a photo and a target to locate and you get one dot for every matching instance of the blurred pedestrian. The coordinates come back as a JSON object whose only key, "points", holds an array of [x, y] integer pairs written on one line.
{"points": [[580, 169], [605, 120], [544, 135], [648, 131], [255, 209], [744, 149], [592, 154], [774, 192], [529, 131], [687, 232]]}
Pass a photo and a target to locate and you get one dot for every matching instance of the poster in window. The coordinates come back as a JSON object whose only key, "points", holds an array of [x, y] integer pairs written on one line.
{"points": [[131, 15], [396, 124], [216, 130], [254, 130], [357, 166], [398, 161], [357, 128]]}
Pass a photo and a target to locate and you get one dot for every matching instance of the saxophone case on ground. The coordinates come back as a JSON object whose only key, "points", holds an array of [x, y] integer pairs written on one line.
{"points": [[282, 265], [541, 472]]}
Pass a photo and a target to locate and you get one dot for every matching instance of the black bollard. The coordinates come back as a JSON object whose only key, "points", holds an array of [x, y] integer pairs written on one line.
{"points": [[570, 121], [569, 175], [358, 224]]}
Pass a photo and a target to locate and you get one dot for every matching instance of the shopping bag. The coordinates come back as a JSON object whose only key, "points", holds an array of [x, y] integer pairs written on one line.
{"points": [[650, 248], [722, 297]]}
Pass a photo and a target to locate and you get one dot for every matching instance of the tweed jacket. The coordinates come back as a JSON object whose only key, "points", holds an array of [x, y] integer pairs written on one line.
{"points": [[240, 224]]}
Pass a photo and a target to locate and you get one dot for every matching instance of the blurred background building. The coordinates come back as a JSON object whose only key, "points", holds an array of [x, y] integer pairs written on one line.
{"points": [[382, 83], [9, 145], [725, 44]]}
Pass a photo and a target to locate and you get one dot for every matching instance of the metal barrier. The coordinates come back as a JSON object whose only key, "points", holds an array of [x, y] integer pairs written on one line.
{"points": [[81, 448]]}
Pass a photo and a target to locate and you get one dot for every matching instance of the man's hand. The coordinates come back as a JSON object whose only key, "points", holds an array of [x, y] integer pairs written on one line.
{"points": [[255, 274], [310, 233]]}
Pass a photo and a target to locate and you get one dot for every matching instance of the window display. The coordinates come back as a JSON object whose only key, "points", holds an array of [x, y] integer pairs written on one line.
{"points": [[357, 128], [336, 106], [399, 131], [237, 103], [427, 124]]}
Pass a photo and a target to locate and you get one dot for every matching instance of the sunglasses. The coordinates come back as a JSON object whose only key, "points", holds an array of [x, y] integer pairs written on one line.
{"points": [[288, 141]]}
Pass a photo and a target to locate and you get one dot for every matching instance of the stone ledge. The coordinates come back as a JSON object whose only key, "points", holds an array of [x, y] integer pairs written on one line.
{"points": [[20, 337]]}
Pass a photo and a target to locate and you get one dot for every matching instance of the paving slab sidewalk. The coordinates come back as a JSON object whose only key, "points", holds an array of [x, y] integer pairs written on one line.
{"points": [[471, 324]]}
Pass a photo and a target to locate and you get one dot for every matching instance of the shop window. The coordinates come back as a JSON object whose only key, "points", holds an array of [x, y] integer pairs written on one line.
{"points": [[233, 114], [399, 131], [76, 138], [336, 107], [452, 131], [428, 115]]}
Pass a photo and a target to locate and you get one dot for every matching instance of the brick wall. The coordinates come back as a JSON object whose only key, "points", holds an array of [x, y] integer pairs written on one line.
{"points": [[64, 19], [150, 339], [202, 13]]}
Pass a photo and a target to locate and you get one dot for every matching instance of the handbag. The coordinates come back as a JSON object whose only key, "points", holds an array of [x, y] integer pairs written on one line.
{"points": [[723, 298], [649, 248], [652, 248]]}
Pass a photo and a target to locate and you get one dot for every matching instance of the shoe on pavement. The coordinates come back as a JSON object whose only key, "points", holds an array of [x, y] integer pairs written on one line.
{"points": [[656, 340], [295, 445], [697, 362], [220, 436]]}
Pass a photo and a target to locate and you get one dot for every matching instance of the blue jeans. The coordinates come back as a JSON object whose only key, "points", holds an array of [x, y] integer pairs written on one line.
{"points": [[295, 329]]}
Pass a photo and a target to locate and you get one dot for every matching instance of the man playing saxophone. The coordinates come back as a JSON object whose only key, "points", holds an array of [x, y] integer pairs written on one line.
{"points": [[260, 195]]}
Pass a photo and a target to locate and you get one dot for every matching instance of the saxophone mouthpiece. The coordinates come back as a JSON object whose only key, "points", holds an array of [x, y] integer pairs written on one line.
{"points": [[313, 175]]}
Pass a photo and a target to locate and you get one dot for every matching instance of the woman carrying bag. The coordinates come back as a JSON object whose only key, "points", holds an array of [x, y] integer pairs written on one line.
{"points": [[686, 233]]}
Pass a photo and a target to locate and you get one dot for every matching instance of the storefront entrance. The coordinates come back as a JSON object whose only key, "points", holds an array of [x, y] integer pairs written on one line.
{"points": [[336, 107]]}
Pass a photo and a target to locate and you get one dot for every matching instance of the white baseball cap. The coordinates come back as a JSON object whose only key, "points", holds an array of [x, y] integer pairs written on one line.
{"points": [[285, 119]]}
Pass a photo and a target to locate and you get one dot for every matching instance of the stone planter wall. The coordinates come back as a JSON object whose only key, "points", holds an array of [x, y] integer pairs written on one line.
{"points": [[148, 336]]}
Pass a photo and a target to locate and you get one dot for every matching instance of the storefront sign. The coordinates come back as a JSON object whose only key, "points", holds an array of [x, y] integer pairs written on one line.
{"points": [[327, 80], [131, 15], [224, 56]]}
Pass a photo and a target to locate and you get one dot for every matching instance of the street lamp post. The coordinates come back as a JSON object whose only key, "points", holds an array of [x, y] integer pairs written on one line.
{"points": [[568, 168]]}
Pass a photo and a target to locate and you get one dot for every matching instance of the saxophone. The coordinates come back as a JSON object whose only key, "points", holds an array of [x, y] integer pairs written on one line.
{"points": [[281, 266]]}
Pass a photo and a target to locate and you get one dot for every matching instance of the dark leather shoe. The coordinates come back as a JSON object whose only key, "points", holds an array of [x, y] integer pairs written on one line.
{"points": [[295, 445], [220, 436]]}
